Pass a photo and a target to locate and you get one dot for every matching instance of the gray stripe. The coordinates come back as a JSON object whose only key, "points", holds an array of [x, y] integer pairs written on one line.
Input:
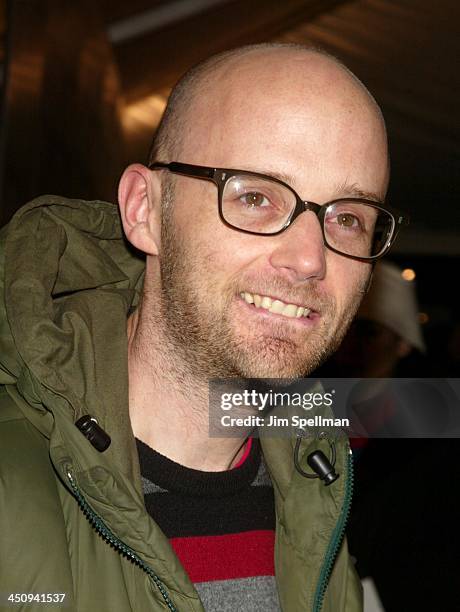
{"points": [[255, 594], [150, 487], [262, 477]]}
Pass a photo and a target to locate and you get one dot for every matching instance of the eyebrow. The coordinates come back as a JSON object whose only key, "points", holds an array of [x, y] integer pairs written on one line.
{"points": [[345, 189], [354, 191], [280, 176]]}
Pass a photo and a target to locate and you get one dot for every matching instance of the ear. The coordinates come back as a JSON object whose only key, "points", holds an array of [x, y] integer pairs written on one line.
{"points": [[139, 198]]}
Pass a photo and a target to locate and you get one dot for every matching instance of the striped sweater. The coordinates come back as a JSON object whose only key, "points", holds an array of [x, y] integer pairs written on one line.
{"points": [[221, 526]]}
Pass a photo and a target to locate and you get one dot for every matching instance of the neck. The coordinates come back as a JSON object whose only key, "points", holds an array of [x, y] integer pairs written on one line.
{"points": [[168, 406]]}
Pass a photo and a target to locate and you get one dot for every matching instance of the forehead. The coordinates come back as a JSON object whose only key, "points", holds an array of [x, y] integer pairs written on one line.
{"points": [[302, 116]]}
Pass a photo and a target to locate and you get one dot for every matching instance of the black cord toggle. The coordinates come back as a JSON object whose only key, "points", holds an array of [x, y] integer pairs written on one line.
{"points": [[320, 464], [90, 428], [323, 467]]}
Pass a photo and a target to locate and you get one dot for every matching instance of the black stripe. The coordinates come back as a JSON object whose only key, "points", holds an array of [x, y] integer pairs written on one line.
{"points": [[179, 516]]}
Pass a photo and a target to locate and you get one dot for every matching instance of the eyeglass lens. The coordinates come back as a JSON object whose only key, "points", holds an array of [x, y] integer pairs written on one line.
{"points": [[262, 206]]}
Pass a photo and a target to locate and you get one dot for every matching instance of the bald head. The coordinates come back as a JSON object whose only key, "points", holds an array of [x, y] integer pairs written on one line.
{"points": [[292, 75], [282, 112]]}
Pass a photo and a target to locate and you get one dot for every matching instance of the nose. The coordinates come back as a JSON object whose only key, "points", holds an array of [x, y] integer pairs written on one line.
{"points": [[300, 253]]}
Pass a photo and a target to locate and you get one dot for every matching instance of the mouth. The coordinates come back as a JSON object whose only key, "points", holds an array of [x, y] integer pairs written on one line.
{"points": [[276, 306]]}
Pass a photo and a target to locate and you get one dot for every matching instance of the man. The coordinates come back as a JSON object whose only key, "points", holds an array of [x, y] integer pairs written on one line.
{"points": [[219, 299]]}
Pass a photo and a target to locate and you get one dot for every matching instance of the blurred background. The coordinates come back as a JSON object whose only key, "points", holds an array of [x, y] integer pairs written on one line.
{"points": [[83, 85]]}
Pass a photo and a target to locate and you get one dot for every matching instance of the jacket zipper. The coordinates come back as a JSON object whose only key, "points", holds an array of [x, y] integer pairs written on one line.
{"points": [[98, 524], [336, 539]]}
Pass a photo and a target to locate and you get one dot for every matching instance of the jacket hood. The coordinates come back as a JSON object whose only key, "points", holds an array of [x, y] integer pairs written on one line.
{"points": [[69, 280]]}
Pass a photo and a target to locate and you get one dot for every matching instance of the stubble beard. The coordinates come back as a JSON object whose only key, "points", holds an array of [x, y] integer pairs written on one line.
{"points": [[203, 339]]}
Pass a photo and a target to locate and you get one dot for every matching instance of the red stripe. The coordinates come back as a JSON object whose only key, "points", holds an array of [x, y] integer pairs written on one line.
{"points": [[223, 557], [247, 450]]}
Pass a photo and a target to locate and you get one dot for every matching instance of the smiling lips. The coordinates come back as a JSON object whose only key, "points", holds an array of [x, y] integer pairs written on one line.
{"points": [[275, 306]]}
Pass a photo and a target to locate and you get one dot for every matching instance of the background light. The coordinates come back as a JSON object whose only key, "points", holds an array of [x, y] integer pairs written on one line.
{"points": [[408, 274], [423, 318]]}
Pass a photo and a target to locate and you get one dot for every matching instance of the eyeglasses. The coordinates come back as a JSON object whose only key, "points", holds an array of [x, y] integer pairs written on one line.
{"points": [[259, 204]]}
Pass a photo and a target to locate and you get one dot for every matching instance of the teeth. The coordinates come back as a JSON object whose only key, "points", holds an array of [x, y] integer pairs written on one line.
{"points": [[266, 302], [290, 310], [275, 306]]}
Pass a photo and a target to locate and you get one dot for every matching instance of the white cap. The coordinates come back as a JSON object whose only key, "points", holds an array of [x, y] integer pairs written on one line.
{"points": [[392, 301]]}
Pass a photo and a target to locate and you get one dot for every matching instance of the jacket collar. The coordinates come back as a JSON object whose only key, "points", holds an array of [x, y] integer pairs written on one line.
{"points": [[69, 276]]}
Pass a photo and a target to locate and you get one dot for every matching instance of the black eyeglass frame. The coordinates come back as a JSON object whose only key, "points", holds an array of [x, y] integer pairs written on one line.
{"points": [[220, 177]]}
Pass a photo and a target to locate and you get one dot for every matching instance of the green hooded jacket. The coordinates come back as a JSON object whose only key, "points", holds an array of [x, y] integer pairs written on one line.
{"points": [[72, 518]]}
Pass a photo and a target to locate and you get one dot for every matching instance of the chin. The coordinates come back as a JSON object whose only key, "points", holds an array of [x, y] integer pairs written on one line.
{"points": [[280, 371], [278, 357]]}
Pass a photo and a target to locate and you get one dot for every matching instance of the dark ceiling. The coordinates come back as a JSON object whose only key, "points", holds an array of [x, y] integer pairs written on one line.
{"points": [[126, 56]]}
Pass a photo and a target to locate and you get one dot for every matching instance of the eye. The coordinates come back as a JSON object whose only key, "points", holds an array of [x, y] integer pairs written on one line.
{"points": [[254, 199], [348, 220]]}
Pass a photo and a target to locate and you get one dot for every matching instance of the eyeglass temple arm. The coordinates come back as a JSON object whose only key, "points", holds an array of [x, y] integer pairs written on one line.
{"points": [[188, 169], [402, 221]]}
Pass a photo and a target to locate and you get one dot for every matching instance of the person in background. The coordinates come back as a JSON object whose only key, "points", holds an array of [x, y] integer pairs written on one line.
{"points": [[386, 329], [402, 527]]}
